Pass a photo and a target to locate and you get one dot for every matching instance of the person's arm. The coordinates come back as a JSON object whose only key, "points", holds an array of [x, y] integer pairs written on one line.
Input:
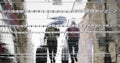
{"points": [[67, 33], [57, 30], [46, 35]]}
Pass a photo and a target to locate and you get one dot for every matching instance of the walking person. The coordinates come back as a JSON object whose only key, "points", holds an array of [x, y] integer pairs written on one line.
{"points": [[51, 38], [73, 41]]}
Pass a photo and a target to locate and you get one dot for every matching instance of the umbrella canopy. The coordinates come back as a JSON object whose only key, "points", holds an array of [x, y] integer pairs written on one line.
{"points": [[58, 20]]}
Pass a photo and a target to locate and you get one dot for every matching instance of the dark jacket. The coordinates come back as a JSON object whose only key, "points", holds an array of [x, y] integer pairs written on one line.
{"points": [[52, 35], [73, 35]]}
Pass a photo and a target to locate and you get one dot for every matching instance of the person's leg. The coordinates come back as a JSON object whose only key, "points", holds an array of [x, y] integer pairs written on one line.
{"points": [[76, 51], [49, 49], [71, 54], [70, 45], [54, 48], [76, 48], [54, 53], [50, 53]]}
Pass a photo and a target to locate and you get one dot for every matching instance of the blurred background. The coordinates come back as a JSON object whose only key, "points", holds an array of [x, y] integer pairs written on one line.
{"points": [[23, 26]]}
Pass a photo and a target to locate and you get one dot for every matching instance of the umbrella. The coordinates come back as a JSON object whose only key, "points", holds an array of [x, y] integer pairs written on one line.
{"points": [[58, 20]]}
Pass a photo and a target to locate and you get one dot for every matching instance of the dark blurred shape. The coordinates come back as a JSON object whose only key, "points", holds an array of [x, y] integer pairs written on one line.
{"points": [[73, 37], [41, 55], [57, 2], [5, 56], [51, 39], [65, 55], [107, 58]]}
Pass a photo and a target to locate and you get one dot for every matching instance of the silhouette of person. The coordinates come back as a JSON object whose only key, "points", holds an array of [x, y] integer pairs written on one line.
{"points": [[51, 37], [72, 40]]}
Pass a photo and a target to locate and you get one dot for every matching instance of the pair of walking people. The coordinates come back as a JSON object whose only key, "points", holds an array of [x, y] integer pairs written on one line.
{"points": [[51, 35]]}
